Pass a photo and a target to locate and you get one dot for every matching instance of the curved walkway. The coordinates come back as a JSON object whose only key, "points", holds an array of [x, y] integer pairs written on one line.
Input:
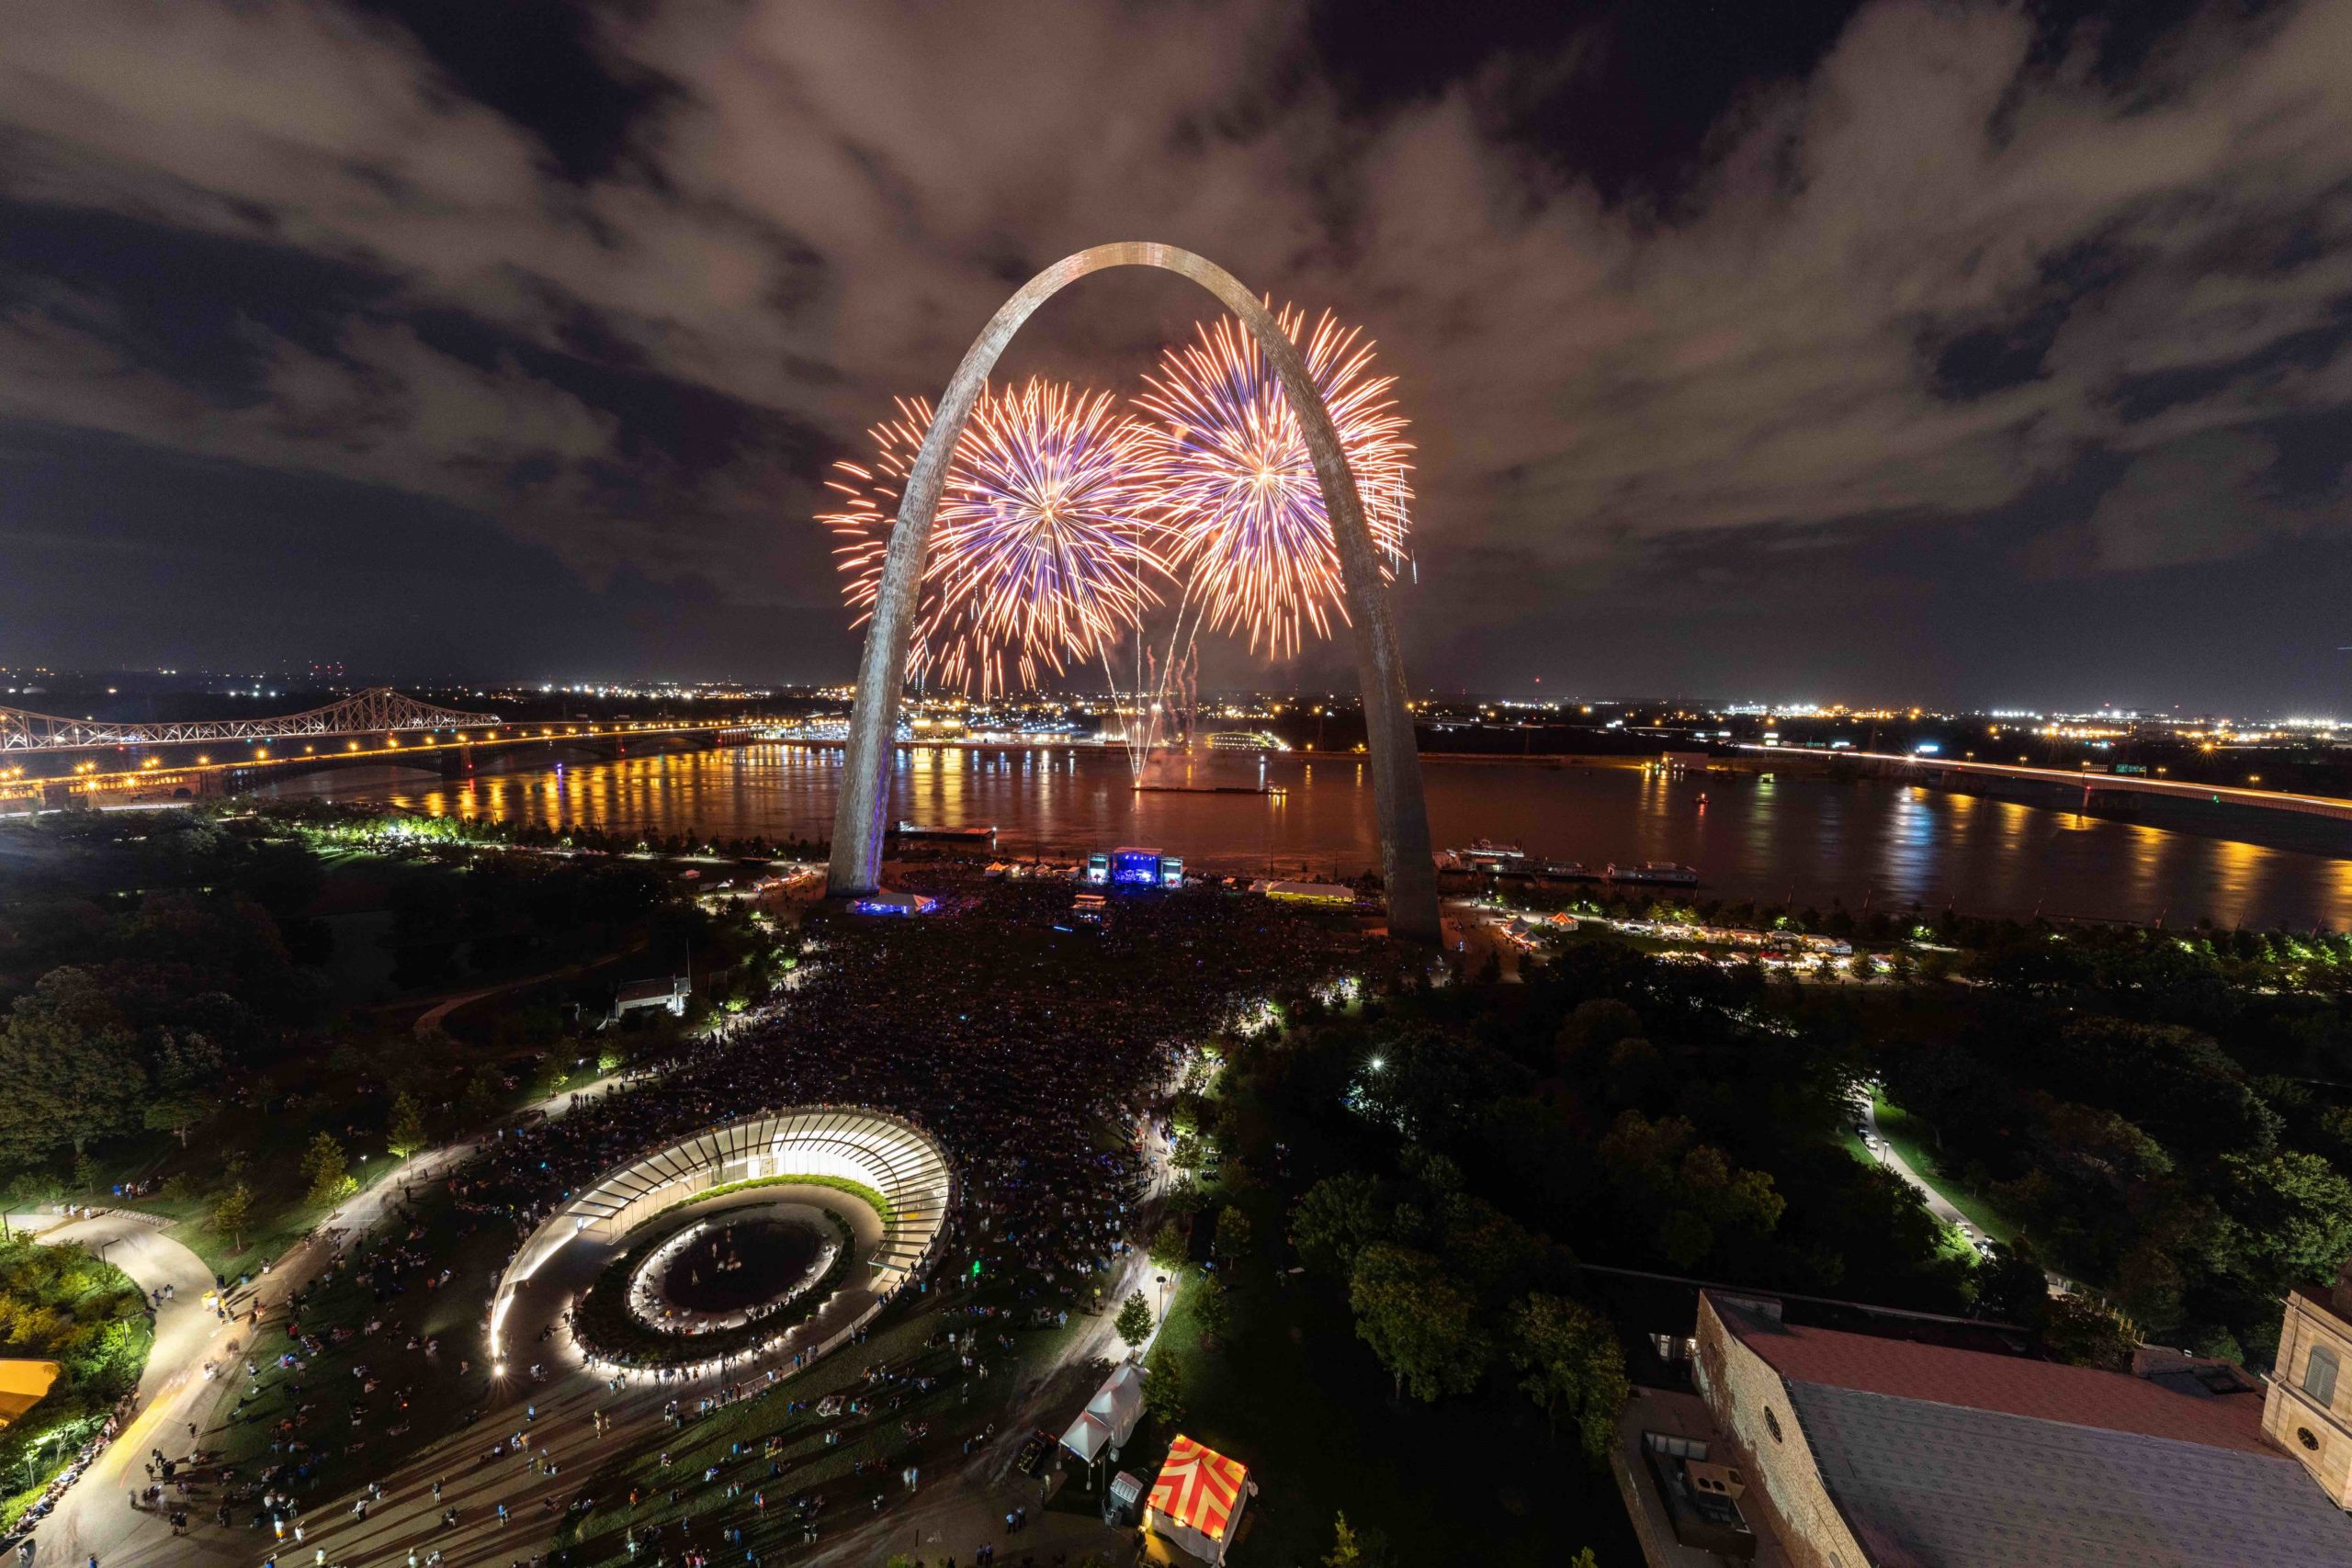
{"points": [[537, 1310], [96, 1511], [94, 1520]]}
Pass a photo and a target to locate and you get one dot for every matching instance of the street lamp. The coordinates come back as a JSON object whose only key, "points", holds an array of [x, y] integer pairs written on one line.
{"points": [[1161, 1280]]}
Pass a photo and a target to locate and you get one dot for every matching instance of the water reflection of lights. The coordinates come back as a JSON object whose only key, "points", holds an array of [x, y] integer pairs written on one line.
{"points": [[1989, 855]]}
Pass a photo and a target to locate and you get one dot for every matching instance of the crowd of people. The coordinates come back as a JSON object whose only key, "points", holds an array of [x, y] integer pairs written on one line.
{"points": [[1038, 1058]]}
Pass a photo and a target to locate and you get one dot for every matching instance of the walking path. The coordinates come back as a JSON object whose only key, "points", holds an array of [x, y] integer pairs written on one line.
{"points": [[153, 1260], [431, 1019], [94, 1521], [1937, 1204], [961, 1502]]}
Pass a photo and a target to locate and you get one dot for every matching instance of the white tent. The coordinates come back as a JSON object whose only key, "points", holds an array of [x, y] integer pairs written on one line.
{"points": [[1109, 1419], [1088, 1437]]}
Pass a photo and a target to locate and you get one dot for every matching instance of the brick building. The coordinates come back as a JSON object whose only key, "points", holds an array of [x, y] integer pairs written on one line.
{"points": [[1845, 1449]]}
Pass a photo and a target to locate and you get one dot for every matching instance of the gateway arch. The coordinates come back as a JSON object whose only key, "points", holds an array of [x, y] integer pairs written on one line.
{"points": [[1407, 868]]}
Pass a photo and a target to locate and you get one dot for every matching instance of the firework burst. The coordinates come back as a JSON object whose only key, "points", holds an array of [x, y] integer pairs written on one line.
{"points": [[1047, 545], [1229, 468]]}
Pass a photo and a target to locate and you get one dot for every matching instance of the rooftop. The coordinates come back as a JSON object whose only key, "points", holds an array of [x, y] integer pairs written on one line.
{"points": [[2013, 1385], [1931, 1486], [1945, 1458]]}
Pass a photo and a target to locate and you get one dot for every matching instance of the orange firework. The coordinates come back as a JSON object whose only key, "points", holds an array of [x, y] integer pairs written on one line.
{"points": [[1047, 544], [1230, 470]]}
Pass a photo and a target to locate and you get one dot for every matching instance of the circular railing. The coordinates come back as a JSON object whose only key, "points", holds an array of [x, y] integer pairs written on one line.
{"points": [[869, 1157]]}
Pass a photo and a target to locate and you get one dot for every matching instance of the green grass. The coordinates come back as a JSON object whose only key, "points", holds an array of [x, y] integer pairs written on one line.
{"points": [[87, 1315], [1291, 1393], [878, 1441], [1909, 1137], [473, 1248], [857, 1189]]}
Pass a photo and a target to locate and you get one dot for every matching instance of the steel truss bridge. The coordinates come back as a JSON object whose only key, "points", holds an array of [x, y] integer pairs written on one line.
{"points": [[379, 710]]}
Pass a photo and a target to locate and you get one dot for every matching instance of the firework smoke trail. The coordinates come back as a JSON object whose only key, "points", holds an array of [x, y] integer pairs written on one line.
{"points": [[1248, 531], [1047, 545]]}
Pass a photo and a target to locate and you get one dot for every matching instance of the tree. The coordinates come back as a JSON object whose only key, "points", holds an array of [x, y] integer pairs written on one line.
{"points": [[1688, 1192], [1212, 1308], [2294, 1216], [1571, 1364], [2082, 1333], [1185, 1153], [323, 1164], [1163, 1389], [1420, 1326], [485, 1093], [1231, 1246], [1337, 1218], [230, 1210], [69, 1059], [1134, 1321], [178, 1115], [2010, 1285], [1169, 1248], [186, 1061], [406, 1135], [1344, 1552]]}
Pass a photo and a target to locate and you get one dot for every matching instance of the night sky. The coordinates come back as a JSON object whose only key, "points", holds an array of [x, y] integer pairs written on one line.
{"points": [[1948, 351]]}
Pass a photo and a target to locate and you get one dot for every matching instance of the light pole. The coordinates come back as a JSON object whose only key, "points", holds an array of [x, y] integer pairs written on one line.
{"points": [[1161, 1280]]}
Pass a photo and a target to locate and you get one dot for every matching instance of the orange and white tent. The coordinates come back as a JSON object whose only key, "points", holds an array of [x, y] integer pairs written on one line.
{"points": [[1196, 1502]]}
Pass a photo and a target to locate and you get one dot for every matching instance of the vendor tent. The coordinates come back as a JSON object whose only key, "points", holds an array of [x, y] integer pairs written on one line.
{"points": [[1109, 1419], [1196, 1502], [1088, 1437], [1118, 1403]]}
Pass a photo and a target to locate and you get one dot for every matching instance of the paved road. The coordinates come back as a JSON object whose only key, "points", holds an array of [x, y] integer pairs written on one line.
{"points": [[433, 1016], [961, 1504], [95, 1520], [1937, 1204]]}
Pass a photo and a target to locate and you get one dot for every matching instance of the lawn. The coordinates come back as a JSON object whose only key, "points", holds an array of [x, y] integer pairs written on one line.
{"points": [[1911, 1138], [771, 1448], [1291, 1393], [352, 1433], [62, 1304]]}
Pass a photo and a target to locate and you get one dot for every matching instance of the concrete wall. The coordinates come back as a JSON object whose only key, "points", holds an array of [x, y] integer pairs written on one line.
{"points": [[892, 1156], [1785, 1495], [2287, 1412]]}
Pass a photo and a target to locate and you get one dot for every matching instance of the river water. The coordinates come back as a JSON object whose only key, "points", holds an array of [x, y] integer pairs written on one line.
{"points": [[1788, 836]]}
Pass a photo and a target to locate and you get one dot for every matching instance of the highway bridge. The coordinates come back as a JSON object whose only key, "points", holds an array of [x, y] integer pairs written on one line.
{"points": [[146, 764], [1935, 770]]}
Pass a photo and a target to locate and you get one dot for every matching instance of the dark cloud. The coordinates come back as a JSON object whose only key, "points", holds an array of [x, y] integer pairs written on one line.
{"points": [[1690, 304]]}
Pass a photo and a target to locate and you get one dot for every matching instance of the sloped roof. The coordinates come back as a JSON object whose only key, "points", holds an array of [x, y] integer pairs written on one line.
{"points": [[1119, 1401], [2014, 1385], [1088, 1436], [1198, 1488], [1926, 1485], [1944, 1457]]}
